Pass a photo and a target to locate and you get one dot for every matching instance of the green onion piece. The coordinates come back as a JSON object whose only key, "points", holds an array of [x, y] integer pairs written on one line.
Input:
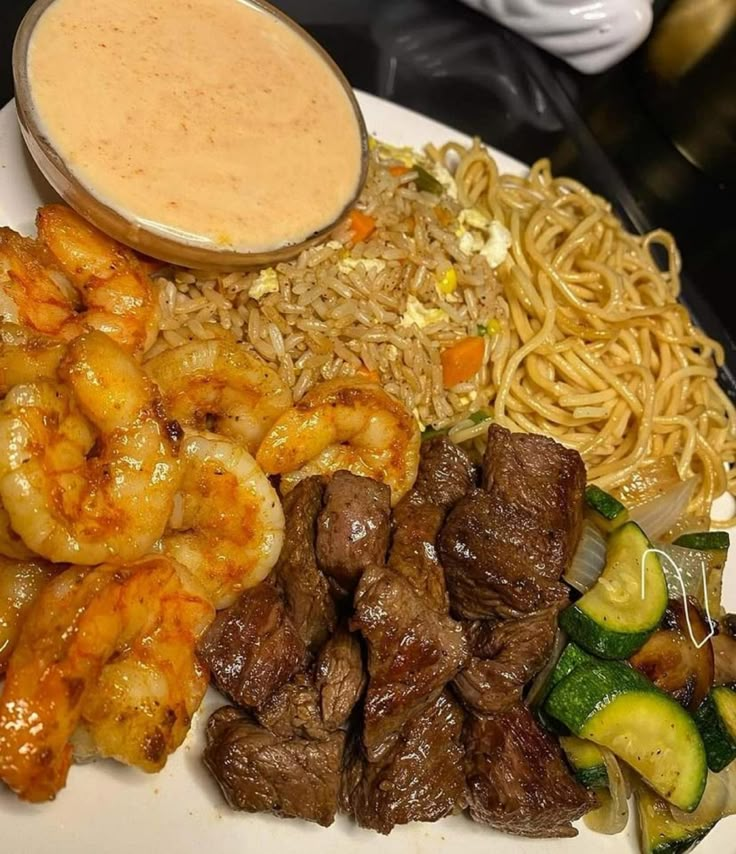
{"points": [[431, 433], [480, 416], [426, 182]]}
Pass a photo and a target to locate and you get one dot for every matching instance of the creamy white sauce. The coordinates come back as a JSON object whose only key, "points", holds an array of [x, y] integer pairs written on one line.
{"points": [[209, 121]]}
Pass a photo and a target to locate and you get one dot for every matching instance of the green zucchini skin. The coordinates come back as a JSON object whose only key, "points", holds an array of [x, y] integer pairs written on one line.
{"points": [[716, 727], [572, 656], [680, 846], [613, 705], [659, 833], [599, 640], [588, 687], [622, 609], [592, 778], [587, 762], [606, 511], [705, 541]]}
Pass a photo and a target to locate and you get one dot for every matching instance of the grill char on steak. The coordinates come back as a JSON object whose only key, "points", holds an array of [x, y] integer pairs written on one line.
{"points": [[252, 648], [354, 527], [517, 779], [307, 593], [495, 555], [420, 778], [504, 657], [412, 654], [505, 547]]}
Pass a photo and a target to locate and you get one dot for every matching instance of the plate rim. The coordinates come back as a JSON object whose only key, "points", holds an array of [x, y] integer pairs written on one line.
{"points": [[298, 837]]}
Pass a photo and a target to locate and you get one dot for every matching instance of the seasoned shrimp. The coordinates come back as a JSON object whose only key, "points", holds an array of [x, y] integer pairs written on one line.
{"points": [[228, 524], [344, 424], [112, 649], [11, 545], [33, 291], [21, 582], [88, 465], [73, 279], [217, 385], [26, 356]]}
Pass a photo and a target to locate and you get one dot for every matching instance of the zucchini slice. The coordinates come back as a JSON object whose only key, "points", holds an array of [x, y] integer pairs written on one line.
{"points": [[716, 720], [705, 541], [586, 760], [611, 704], [659, 833], [572, 656], [627, 603], [715, 546], [607, 512]]}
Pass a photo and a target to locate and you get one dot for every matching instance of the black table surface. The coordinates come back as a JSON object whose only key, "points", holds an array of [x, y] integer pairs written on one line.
{"points": [[442, 59]]}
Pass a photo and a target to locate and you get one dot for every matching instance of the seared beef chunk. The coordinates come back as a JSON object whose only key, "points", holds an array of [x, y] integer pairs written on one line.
{"points": [[414, 551], [497, 559], [258, 771], [252, 648], [314, 704], [517, 779], [504, 548], [504, 657], [412, 653], [539, 476], [490, 554], [445, 474], [354, 527], [305, 588], [294, 710], [420, 779], [340, 678]]}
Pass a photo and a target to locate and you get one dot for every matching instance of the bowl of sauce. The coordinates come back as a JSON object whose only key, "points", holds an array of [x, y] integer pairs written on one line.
{"points": [[206, 133]]}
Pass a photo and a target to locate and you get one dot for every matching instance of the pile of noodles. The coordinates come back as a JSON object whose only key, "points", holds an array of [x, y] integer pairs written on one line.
{"points": [[597, 351]]}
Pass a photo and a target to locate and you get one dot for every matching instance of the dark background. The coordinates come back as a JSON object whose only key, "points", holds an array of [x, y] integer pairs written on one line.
{"points": [[621, 131]]}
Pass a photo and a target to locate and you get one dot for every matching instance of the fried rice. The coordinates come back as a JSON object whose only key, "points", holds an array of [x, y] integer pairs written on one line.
{"points": [[384, 307]]}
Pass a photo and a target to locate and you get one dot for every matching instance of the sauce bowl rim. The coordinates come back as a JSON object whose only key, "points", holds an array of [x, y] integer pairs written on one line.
{"points": [[134, 233]]}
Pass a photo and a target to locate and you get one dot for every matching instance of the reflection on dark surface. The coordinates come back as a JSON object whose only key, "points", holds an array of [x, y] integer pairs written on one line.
{"points": [[433, 58]]}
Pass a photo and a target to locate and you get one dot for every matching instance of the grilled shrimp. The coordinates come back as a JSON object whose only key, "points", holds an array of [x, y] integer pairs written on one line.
{"points": [[217, 385], [26, 356], [88, 465], [11, 545], [73, 279], [21, 582], [112, 649], [344, 424], [228, 524], [33, 291]]}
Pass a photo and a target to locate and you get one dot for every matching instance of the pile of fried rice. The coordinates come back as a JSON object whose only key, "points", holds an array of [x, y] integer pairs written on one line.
{"points": [[382, 305]]}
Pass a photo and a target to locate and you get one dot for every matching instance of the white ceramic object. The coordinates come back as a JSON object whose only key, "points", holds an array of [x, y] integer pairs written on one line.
{"points": [[590, 35], [109, 809]]}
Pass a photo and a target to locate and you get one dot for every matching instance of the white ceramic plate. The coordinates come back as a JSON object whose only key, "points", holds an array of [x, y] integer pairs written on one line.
{"points": [[109, 809]]}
